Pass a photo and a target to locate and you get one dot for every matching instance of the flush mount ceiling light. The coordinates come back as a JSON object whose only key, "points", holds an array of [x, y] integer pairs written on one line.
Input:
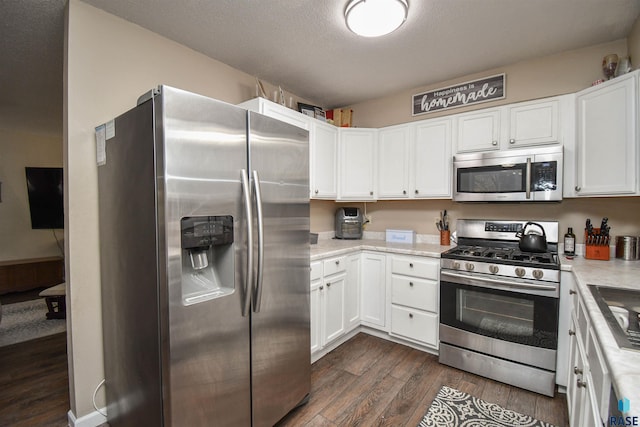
{"points": [[374, 18]]}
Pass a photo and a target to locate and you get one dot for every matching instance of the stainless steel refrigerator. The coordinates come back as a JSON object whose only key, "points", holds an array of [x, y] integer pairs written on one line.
{"points": [[204, 243]]}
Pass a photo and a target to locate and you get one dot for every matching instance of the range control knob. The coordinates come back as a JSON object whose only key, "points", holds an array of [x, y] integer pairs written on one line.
{"points": [[493, 268], [520, 272], [456, 265], [468, 266], [538, 274]]}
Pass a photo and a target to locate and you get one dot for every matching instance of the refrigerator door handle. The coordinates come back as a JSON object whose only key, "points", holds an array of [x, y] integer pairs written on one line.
{"points": [[258, 193], [249, 218]]}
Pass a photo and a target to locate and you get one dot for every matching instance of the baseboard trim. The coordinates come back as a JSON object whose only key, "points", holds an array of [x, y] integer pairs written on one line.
{"points": [[92, 419]]}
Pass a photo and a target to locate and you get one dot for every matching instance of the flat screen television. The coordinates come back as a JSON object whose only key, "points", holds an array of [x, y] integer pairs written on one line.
{"points": [[45, 189]]}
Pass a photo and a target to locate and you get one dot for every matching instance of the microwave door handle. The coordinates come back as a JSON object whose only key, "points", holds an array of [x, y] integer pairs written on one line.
{"points": [[528, 178]]}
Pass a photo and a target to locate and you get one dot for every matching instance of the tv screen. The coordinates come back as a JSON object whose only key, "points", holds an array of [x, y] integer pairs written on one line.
{"points": [[44, 186]]}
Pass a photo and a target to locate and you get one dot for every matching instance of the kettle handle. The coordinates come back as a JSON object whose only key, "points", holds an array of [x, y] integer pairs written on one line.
{"points": [[521, 232]]}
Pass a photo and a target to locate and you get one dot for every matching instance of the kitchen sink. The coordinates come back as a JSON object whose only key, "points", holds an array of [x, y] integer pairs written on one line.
{"points": [[621, 309]]}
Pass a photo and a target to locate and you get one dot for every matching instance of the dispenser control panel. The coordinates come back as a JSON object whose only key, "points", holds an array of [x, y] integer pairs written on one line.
{"points": [[203, 231]]}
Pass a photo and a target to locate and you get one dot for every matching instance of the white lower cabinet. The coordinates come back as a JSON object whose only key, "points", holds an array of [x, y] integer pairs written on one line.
{"points": [[414, 299], [373, 290], [589, 383]]}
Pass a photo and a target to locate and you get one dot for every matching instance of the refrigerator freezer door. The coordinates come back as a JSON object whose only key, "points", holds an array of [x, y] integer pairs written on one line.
{"points": [[281, 360], [208, 337]]}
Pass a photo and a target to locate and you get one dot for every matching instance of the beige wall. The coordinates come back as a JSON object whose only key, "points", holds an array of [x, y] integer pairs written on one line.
{"points": [[20, 148], [563, 73], [110, 62]]}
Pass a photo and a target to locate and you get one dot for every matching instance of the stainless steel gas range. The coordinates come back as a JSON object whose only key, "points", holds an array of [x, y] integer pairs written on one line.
{"points": [[499, 305]]}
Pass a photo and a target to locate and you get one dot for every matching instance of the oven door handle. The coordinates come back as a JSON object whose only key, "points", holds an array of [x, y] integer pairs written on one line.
{"points": [[486, 282]]}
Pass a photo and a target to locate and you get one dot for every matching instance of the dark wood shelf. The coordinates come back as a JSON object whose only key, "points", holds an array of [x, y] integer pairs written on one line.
{"points": [[26, 274]]}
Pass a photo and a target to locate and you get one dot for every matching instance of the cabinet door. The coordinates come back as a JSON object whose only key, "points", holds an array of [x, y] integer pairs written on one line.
{"points": [[393, 164], [533, 123], [357, 164], [607, 138], [432, 161], [373, 289], [352, 292], [315, 315], [333, 294], [323, 139], [478, 131]]}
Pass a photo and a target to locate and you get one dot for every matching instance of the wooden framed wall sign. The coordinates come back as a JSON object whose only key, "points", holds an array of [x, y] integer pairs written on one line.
{"points": [[460, 95]]}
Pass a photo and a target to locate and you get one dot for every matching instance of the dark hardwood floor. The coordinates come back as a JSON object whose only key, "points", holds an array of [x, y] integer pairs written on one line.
{"points": [[369, 381], [34, 383]]}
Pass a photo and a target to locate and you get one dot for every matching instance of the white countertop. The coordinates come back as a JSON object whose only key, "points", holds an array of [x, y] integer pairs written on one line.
{"points": [[624, 365]]}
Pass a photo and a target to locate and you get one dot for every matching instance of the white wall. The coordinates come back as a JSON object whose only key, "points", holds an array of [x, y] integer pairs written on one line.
{"points": [[109, 63], [20, 148]]}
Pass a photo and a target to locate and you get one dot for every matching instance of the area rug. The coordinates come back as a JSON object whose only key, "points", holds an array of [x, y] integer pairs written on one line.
{"points": [[24, 321], [453, 408]]}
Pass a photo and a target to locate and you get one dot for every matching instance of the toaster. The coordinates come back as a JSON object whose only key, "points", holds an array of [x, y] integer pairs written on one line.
{"points": [[349, 223]]}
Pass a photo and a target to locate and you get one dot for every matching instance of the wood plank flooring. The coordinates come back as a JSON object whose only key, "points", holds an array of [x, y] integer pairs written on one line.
{"points": [[369, 381], [34, 383]]}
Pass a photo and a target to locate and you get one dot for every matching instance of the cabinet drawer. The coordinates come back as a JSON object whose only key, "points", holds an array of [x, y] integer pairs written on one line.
{"points": [[334, 265], [316, 270], [415, 325], [415, 293], [416, 267]]}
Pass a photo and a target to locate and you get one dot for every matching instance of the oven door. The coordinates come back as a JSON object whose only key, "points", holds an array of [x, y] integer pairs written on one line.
{"points": [[528, 178], [511, 319]]}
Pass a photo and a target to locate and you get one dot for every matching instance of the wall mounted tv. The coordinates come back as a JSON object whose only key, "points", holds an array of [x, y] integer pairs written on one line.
{"points": [[45, 189]]}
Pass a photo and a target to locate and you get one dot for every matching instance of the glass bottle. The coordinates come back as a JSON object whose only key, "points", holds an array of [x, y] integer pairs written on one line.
{"points": [[570, 243]]}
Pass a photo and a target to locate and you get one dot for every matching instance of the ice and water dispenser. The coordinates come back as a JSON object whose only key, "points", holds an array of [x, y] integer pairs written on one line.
{"points": [[207, 258]]}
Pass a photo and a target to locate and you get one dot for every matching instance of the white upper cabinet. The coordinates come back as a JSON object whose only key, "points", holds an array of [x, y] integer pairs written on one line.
{"points": [[606, 152], [277, 111], [357, 178], [432, 161], [533, 123], [478, 131], [514, 126], [394, 151], [323, 164]]}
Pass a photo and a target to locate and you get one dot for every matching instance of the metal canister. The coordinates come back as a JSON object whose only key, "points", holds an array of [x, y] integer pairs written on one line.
{"points": [[627, 247]]}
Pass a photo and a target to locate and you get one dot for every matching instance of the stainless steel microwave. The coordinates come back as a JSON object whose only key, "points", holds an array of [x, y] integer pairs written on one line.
{"points": [[523, 175]]}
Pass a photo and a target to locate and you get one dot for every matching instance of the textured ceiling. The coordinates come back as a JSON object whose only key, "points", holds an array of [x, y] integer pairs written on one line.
{"points": [[304, 45]]}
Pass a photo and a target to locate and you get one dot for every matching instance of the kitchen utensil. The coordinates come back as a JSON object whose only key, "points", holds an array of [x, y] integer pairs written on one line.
{"points": [[531, 241], [627, 248]]}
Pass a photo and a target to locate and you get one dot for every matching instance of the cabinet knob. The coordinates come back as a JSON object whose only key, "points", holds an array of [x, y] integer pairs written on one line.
{"points": [[410, 265], [572, 292], [321, 287], [328, 285], [410, 315], [411, 284], [494, 143], [404, 191], [512, 141], [578, 188], [417, 192], [338, 262], [581, 383], [571, 333], [371, 193], [577, 371], [316, 191]]}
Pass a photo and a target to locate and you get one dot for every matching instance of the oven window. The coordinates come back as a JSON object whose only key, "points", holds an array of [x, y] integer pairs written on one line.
{"points": [[509, 316], [492, 179]]}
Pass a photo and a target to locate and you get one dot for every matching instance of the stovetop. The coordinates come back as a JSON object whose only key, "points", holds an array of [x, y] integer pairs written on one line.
{"points": [[504, 255]]}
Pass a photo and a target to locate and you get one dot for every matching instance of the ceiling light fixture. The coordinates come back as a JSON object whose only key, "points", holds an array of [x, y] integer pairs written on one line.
{"points": [[374, 18]]}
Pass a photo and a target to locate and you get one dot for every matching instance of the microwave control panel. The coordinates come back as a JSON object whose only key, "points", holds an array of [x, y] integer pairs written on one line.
{"points": [[544, 176]]}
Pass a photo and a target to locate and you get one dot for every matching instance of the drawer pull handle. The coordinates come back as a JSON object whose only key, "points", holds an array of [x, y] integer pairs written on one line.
{"points": [[572, 292], [571, 333], [577, 371], [581, 383]]}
